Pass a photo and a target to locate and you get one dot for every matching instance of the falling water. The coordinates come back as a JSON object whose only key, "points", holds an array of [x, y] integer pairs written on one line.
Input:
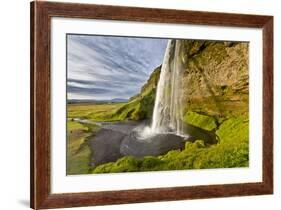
{"points": [[168, 107]]}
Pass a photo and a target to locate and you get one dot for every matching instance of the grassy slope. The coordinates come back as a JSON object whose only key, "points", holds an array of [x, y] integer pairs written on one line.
{"points": [[78, 149], [95, 112]]}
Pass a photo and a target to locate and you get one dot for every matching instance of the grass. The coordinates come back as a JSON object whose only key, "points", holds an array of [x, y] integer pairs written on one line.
{"points": [[78, 155], [78, 149], [73, 126], [95, 112], [139, 108]]}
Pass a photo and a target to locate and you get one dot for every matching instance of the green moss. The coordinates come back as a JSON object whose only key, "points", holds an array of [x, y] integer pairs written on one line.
{"points": [[234, 130], [125, 164], [199, 120], [145, 108], [151, 163], [140, 108], [199, 143], [125, 112]]}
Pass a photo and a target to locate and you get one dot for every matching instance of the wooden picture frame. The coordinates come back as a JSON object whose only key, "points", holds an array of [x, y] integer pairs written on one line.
{"points": [[41, 14]]}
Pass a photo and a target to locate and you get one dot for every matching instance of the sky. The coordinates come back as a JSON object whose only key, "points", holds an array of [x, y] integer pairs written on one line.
{"points": [[106, 67]]}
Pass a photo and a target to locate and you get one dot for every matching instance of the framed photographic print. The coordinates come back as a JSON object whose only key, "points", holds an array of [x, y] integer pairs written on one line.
{"points": [[140, 105]]}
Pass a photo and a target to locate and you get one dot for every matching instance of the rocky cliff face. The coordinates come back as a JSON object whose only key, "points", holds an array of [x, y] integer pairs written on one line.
{"points": [[216, 77]]}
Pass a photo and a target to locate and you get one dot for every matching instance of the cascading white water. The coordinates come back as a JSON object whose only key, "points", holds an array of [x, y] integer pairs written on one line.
{"points": [[168, 106]]}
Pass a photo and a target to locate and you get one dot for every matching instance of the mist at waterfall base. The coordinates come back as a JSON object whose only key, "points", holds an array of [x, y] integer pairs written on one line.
{"points": [[168, 106]]}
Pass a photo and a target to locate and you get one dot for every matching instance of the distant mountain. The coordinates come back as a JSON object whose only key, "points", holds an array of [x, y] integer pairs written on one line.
{"points": [[118, 100], [88, 101]]}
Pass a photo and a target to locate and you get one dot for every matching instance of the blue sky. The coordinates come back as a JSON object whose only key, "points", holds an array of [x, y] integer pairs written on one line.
{"points": [[104, 67]]}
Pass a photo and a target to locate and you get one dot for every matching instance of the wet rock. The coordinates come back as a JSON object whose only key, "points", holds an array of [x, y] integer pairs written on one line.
{"points": [[209, 137]]}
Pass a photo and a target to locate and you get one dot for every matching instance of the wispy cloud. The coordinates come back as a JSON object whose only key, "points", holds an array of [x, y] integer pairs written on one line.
{"points": [[104, 67]]}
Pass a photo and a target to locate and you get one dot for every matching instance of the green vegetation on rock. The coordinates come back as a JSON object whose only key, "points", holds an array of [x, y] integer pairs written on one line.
{"points": [[202, 121]]}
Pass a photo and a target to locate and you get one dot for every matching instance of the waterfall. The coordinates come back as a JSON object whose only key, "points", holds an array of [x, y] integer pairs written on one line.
{"points": [[168, 107]]}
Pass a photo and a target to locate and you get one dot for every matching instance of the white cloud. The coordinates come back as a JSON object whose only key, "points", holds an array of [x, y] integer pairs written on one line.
{"points": [[104, 67]]}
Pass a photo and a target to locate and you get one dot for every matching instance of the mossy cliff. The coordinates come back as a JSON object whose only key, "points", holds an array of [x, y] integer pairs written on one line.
{"points": [[216, 78]]}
